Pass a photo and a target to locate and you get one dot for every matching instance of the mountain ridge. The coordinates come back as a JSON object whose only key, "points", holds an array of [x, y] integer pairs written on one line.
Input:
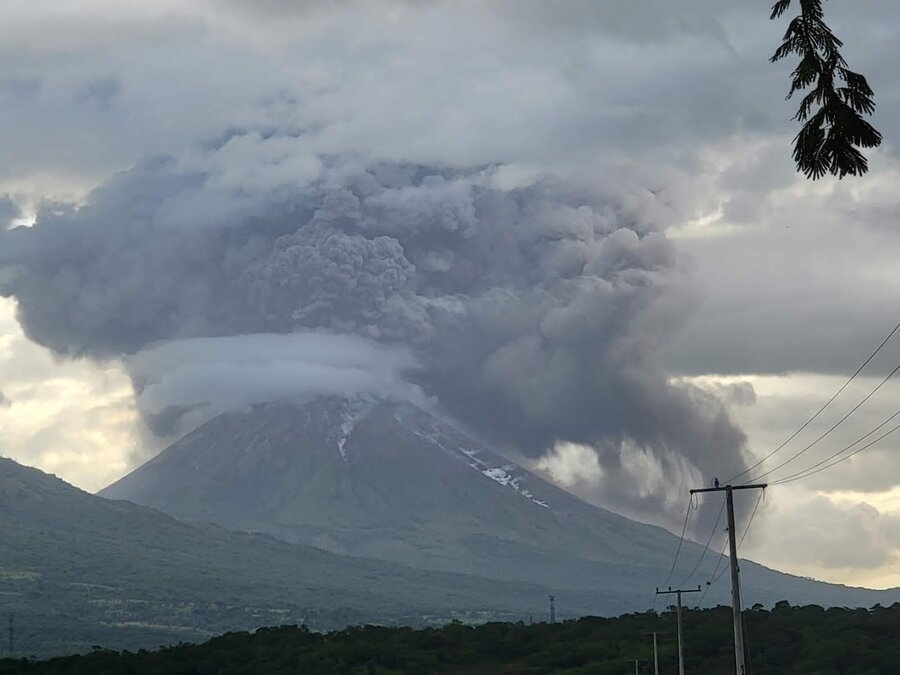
{"points": [[388, 480], [78, 570]]}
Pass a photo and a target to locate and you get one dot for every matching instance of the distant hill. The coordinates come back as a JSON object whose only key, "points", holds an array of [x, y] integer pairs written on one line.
{"points": [[374, 478], [77, 570]]}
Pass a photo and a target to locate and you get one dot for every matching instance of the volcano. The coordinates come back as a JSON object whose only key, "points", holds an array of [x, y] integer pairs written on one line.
{"points": [[374, 478]]}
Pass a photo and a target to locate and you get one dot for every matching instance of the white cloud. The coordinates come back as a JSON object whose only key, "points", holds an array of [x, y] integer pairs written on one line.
{"points": [[569, 464], [207, 376], [835, 540], [72, 418]]}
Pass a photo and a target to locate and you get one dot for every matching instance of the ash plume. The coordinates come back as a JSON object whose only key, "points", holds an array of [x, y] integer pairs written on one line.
{"points": [[532, 310]]}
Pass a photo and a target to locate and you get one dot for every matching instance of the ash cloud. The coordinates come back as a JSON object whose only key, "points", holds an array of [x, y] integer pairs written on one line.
{"points": [[534, 310]]}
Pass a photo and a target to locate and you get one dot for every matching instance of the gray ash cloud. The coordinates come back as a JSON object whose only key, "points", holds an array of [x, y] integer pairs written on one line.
{"points": [[533, 309]]}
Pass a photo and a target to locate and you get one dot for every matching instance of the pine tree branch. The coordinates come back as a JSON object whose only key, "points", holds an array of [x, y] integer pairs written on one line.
{"points": [[833, 126]]}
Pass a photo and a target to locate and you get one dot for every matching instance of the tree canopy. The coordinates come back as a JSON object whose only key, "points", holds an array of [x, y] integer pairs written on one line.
{"points": [[786, 640], [832, 112]]}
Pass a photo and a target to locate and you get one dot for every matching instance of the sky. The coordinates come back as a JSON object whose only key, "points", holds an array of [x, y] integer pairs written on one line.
{"points": [[229, 200]]}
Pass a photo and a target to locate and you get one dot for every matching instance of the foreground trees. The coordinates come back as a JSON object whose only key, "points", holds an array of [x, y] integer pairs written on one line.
{"points": [[786, 640]]}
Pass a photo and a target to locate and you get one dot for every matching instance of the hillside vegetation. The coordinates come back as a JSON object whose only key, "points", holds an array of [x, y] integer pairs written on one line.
{"points": [[784, 641], [77, 570]]}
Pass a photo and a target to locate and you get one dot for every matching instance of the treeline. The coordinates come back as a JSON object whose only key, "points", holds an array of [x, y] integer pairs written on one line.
{"points": [[784, 641]]}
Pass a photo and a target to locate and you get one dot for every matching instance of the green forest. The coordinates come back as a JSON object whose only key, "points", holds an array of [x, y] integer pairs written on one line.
{"points": [[785, 640]]}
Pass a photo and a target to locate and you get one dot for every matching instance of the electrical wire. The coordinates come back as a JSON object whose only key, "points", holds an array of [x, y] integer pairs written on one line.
{"points": [[705, 548], [752, 516], [743, 617], [822, 409], [746, 637], [842, 459], [714, 578], [833, 427], [836, 454], [687, 515]]}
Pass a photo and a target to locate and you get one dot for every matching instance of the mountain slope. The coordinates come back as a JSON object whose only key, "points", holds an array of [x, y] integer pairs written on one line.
{"points": [[373, 478], [370, 478], [78, 570]]}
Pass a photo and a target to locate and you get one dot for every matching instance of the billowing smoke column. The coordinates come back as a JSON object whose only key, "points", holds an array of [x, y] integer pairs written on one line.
{"points": [[531, 310]]}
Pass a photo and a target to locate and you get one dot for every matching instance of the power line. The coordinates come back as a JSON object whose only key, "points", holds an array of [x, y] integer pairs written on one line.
{"points": [[839, 452], [687, 515], [747, 645], [842, 459], [705, 548], [833, 427], [750, 521], [822, 409], [714, 578], [746, 530]]}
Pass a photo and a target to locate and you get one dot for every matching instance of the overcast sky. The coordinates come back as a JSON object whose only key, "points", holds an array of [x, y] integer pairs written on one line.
{"points": [[766, 290]]}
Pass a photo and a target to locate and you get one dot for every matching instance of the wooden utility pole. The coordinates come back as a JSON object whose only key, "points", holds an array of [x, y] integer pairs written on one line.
{"points": [[655, 652], [677, 592], [552, 609], [739, 660], [637, 666]]}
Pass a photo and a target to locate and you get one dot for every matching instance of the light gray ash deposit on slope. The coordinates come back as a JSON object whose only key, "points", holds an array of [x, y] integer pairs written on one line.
{"points": [[532, 309]]}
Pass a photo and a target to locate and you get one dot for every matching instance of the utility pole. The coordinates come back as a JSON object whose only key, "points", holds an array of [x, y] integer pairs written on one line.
{"points": [[677, 592], [637, 667], [739, 660], [655, 652], [552, 609]]}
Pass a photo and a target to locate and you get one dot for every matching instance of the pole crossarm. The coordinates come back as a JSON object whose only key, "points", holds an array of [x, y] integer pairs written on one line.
{"points": [[723, 488], [673, 591]]}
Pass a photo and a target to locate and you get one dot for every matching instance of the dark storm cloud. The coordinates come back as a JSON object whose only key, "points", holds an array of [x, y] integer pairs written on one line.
{"points": [[534, 311]]}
